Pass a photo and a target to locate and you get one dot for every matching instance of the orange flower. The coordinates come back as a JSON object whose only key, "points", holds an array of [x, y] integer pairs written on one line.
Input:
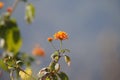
{"points": [[1, 5], [60, 35], [50, 39], [9, 9], [38, 51]]}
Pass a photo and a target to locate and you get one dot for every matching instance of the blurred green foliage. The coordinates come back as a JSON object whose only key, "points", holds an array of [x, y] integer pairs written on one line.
{"points": [[13, 59]]}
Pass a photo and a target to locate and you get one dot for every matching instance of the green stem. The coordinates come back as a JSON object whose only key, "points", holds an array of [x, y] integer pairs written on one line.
{"points": [[53, 46], [11, 75], [60, 44]]}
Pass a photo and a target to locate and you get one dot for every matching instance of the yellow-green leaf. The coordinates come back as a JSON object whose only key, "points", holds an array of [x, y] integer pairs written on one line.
{"points": [[67, 60], [54, 77], [13, 40], [57, 67], [2, 65], [27, 76], [55, 56], [11, 34], [52, 66], [65, 50], [30, 13], [63, 76]]}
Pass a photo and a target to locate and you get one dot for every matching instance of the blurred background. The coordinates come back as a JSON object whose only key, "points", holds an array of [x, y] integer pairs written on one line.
{"points": [[94, 35]]}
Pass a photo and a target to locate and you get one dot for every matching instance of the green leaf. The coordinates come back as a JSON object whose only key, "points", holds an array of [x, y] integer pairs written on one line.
{"points": [[52, 66], [55, 56], [57, 67], [11, 34], [47, 78], [63, 76], [67, 50], [54, 77], [19, 62], [67, 60], [30, 13], [31, 59], [2, 65], [11, 63], [64, 51], [43, 73], [13, 40]]}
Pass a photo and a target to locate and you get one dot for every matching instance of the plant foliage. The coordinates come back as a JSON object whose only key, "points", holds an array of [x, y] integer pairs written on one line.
{"points": [[13, 60]]}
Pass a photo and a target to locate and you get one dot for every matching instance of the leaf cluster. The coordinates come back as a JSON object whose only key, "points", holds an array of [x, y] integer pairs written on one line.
{"points": [[53, 71], [13, 59]]}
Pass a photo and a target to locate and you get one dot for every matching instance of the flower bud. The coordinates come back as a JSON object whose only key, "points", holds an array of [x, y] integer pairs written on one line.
{"points": [[9, 9], [50, 39]]}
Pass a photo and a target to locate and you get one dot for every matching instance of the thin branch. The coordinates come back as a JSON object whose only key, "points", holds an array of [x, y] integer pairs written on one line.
{"points": [[14, 6], [53, 46]]}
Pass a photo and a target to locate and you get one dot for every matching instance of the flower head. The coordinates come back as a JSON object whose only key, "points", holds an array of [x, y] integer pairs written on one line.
{"points": [[1, 5], [38, 51], [50, 39], [60, 35]]}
